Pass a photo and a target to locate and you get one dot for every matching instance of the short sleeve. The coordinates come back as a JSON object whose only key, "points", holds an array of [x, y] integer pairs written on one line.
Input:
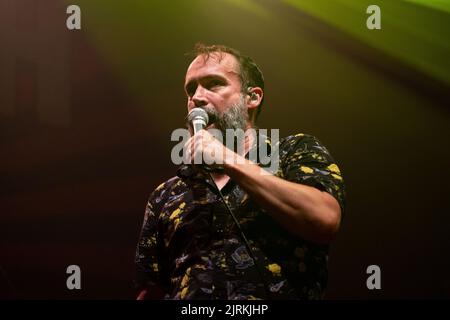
{"points": [[146, 259], [304, 159]]}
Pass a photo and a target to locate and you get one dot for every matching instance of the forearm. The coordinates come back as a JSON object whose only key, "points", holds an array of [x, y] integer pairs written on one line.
{"points": [[303, 210]]}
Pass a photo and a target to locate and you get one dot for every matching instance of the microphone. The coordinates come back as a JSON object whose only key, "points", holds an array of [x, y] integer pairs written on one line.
{"points": [[199, 119]]}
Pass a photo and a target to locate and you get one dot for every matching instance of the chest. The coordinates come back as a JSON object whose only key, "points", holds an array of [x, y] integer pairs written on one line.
{"points": [[221, 180]]}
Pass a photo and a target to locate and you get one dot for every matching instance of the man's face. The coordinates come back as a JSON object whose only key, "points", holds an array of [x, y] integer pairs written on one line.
{"points": [[214, 85]]}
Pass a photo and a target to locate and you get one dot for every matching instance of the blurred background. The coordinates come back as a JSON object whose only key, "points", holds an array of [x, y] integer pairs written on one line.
{"points": [[86, 117]]}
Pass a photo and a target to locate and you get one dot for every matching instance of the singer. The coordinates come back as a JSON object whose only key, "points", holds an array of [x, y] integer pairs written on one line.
{"points": [[227, 231]]}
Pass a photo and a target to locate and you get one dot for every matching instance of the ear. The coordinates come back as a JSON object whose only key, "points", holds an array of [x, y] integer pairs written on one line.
{"points": [[253, 98]]}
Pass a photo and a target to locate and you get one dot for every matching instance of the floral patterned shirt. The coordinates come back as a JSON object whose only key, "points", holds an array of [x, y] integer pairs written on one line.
{"points": [[190, 246]]}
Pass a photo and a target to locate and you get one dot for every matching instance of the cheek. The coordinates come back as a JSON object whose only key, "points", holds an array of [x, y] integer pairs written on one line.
{"points": [[232, 100], [223, 100], [218, 101]]}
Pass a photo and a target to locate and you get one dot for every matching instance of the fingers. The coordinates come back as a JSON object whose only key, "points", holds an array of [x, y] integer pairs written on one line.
{"points": [[192, 150], [188, 151], [195, 148]]}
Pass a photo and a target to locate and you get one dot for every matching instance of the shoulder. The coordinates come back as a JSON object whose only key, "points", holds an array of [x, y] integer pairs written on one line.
{"points": [[166, 188], [301, 142], [167, 184], [299, 137], [304, 159], [303, 156]]}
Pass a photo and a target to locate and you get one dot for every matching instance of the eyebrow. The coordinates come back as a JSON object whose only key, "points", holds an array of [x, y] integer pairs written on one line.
{"points": [[205, 78]]}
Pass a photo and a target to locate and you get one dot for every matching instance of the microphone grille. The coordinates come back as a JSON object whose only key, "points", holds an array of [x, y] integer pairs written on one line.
{"points": [[198, 113]]}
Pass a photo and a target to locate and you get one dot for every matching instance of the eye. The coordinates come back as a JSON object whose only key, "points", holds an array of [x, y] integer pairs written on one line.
{"points": [[214, 83], [190, 89]]}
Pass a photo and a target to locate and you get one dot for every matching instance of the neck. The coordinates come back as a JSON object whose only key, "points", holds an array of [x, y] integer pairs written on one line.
{"points": [[249, 140]]}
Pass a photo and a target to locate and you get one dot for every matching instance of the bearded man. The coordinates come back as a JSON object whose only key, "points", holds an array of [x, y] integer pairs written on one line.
{"points": [[229, 231]]}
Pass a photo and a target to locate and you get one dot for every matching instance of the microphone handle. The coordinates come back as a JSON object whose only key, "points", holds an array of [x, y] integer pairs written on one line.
{"points": [[198, 124]]}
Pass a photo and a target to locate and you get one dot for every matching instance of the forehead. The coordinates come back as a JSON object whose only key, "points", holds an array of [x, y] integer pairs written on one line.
{"points": [[222, 63]]}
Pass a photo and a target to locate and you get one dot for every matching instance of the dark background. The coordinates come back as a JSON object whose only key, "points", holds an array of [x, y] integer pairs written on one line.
{"points": [[86, 117]]}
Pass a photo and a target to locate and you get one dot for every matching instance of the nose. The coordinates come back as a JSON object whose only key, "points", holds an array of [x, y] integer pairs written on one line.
{"points": [[199, 98]]}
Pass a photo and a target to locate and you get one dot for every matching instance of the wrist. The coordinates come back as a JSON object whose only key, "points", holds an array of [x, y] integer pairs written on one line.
{"points": [[232, 159]]}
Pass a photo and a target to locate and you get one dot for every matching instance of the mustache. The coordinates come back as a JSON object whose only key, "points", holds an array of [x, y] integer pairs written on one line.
{"points": [[234, 117], [213, 116]]}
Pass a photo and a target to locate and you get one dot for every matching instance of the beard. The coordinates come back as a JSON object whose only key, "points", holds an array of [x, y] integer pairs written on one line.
{"points": [[234, 117]]}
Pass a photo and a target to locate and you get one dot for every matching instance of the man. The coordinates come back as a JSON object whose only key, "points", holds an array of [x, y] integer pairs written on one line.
{"points": [[192, 248]]}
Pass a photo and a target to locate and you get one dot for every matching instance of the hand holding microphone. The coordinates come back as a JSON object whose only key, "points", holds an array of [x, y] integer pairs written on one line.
{"points": [[204, 147]]}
